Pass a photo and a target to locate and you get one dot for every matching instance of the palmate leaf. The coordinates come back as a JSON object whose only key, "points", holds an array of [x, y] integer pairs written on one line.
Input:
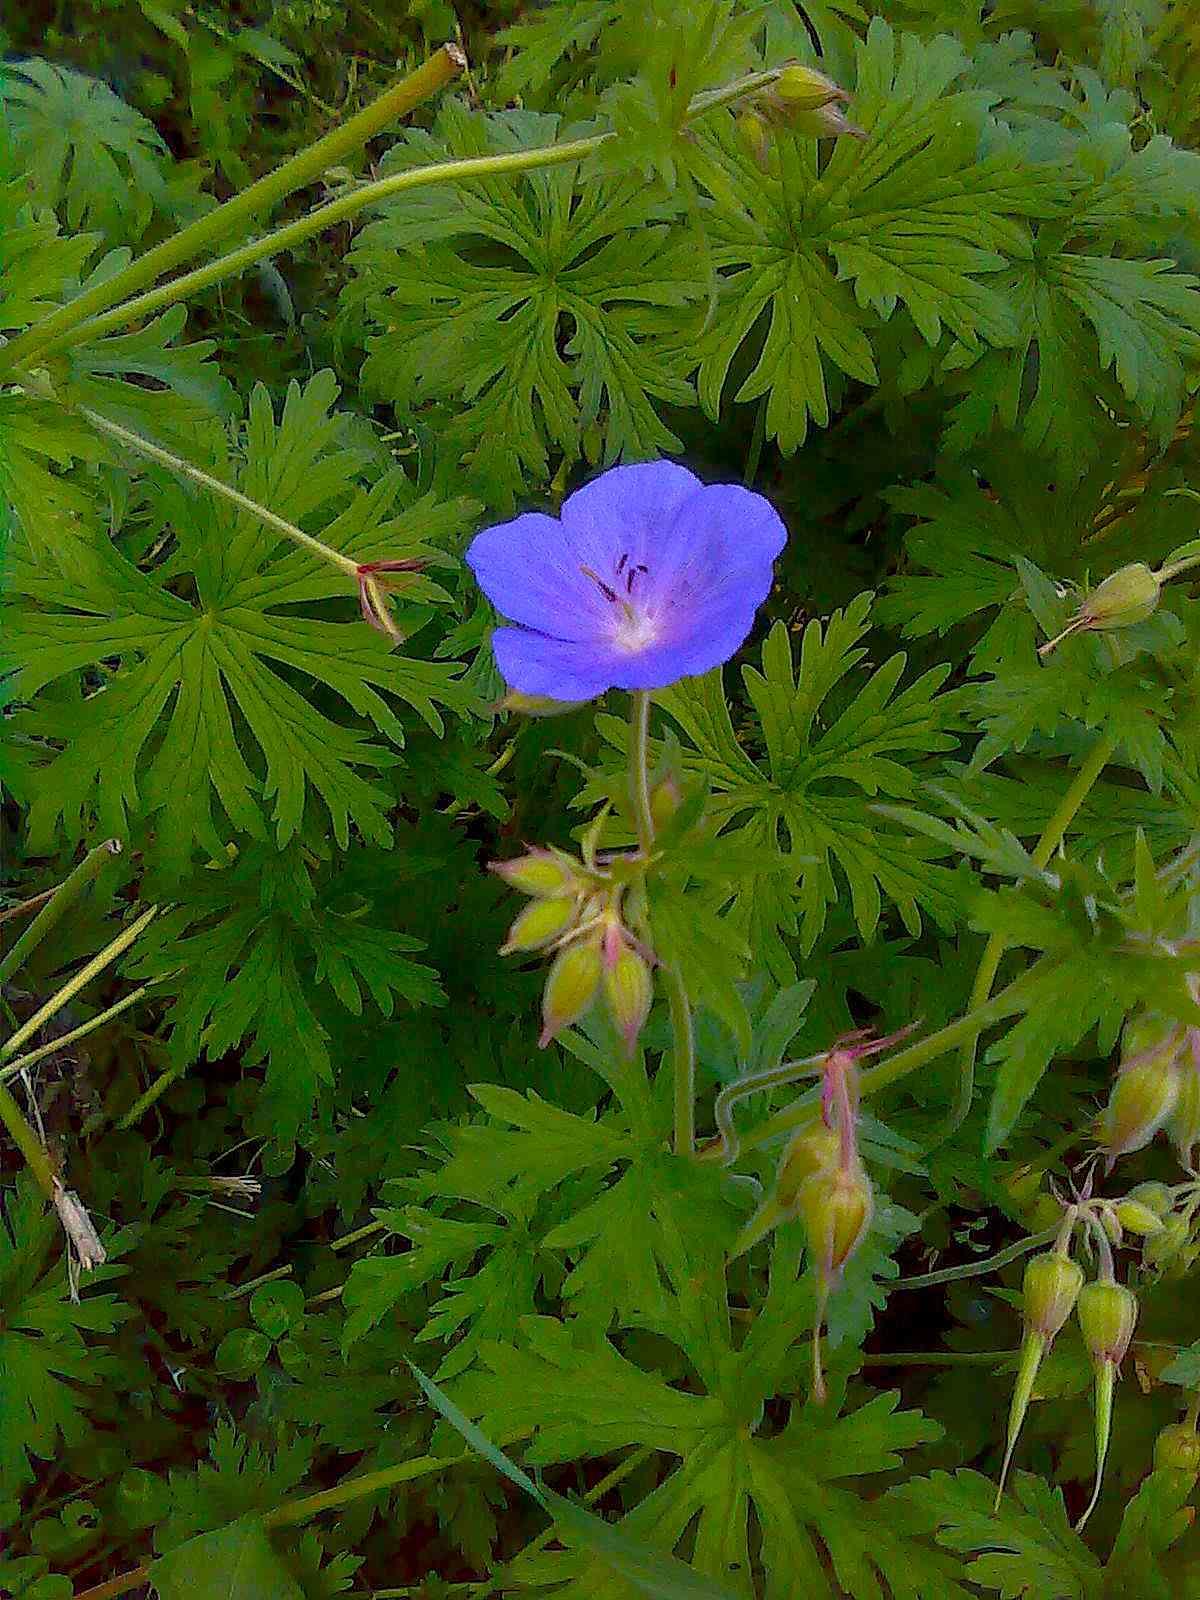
{"points": [[530, 301], [47, 1359], [828, 749], [229, 708], [250, 955], [577, 1396], [913, 219]]}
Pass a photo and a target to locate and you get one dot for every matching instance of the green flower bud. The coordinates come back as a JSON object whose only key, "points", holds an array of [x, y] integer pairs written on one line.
{"points": [[540, 872], [665, 799], [1107, 1314], [800, 88], [536, 705], [1165, 1246], [1049, 1292], [1142, 1098], [1127, 596], [756, 136], [812, 1150], [540, 924], [1183, 1125], [1136, 1217], [836, 1208], [1155, 1195], [1177, 1449], [571, 986], [628, 991]]}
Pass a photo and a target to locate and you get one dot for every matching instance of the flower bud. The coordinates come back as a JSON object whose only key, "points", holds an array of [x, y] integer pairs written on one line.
{"points": [[540, 872], [806, 101], [535, 705], [1161, 1249], [665, 799], [1142, 1098], [756, 136], [1127, 596], [571, 986], [812, 1150], [628, 991], [1177, 1449], [1136, 1217], [1107, 1314], [1154, 1195], [1049, 1292], [540, 924], [800, 88], [1183, 1125], [836, 1208]]}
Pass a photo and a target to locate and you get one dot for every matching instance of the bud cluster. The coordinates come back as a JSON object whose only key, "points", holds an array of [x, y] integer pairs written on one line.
{"points": [[802, 101], [1125, 597], [576, 911]]}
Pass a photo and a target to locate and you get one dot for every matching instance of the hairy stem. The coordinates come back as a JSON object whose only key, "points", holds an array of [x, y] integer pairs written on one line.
{"points": [[993, 951], [341, 210], [239, 212], [225, 491], [639, 770]]}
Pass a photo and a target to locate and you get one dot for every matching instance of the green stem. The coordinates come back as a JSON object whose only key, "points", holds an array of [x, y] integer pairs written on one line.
{"points": [[683, 1063], [341, 210], [639, 770], [981, 1268], [993, 951], [65, 1039], [253, 1283], [67, 892], [176, 464], [240, 211], [28, 1143], [938, 1358], [1007, 1003], [151, 1095], [71, 988]]}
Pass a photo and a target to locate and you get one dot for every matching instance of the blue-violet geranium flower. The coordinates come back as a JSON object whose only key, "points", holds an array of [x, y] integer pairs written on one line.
{"points": [[646, 576]]}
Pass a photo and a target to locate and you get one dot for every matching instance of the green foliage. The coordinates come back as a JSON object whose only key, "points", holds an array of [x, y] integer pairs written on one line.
{"points": [[304, 1109]]}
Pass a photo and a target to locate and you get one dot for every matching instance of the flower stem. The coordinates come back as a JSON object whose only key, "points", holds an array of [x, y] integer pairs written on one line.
{"points": [[240, 211], [683, 1054], [334, 211], [65, 1039], [184, 469], [1007, 1003], [993, 951], [58, 901], [28, 1143], [639, 770]]}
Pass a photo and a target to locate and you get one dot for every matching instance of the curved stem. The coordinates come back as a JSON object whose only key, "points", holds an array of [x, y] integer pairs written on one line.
{"points": [[993, 950], [238, 212]]}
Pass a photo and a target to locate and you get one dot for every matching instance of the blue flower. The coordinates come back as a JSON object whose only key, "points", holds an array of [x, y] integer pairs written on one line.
{"points": [[647, 576]]}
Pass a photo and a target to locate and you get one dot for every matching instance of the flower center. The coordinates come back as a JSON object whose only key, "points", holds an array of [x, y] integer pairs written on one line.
{"points": [[634, 628]]}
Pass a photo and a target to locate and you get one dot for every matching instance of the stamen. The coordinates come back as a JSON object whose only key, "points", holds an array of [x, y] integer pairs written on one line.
{"points": [[622, 561], [606, 590]]}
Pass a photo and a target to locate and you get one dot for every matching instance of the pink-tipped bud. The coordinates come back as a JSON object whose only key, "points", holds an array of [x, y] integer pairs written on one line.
{"points": [[836, 1208], [571, 986], [540, 924], [1051, 1287], [1177, 1449], [1107, 1314], [541, 872], [813, 1150], [1145, 1092], [628, 992]]}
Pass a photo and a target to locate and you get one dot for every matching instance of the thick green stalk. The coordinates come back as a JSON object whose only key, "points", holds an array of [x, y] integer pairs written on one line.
{"points": [[993, 951], [341, 210], [28, 1143], [239, 212], [67, 892]]}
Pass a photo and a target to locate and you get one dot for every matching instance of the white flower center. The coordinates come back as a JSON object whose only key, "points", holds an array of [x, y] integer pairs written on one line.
{"points": [[634, 630]]}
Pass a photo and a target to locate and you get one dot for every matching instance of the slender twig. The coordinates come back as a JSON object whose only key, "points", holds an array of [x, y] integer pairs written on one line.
{"points": [[993, 950], [240, 211]]}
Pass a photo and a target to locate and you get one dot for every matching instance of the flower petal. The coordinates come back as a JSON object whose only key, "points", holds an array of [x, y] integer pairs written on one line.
{"points": [[720, 633], [562, 669], [531, 573], [626, 511], [722, 540]]}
